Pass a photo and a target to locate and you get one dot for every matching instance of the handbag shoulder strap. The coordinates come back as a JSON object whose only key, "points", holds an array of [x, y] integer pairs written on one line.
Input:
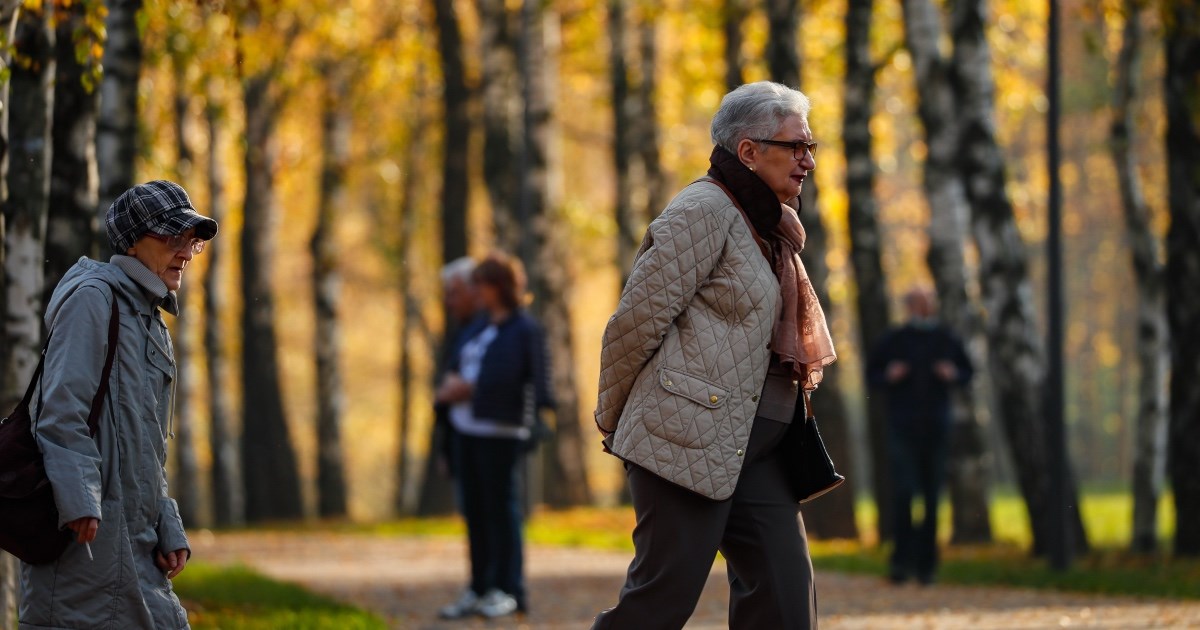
{"points": [[114, 323], [762, 243], [37, 375], [93, 421]]}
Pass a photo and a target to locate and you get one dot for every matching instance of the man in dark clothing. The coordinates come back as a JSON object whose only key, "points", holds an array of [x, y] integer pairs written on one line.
{"points": [[918, 365]]}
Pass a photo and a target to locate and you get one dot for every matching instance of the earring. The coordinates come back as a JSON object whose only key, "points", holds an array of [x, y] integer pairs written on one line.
{"points": [[751, 169]]}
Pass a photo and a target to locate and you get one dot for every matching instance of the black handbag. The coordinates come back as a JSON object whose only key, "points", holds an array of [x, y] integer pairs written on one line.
{"points": [[813, 473], [28, 515]]}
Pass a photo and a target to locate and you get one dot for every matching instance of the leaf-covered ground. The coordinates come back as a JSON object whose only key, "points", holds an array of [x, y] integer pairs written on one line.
{"points": [[405, 579]]}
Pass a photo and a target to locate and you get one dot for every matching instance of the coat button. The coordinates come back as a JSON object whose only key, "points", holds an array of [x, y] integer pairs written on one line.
{"points": [[668, 383], [754, 398], [741, 452], [713, 399]]}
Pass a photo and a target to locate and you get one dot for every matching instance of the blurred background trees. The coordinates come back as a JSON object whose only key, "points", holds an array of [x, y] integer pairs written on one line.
{"points": [[350, 148]]}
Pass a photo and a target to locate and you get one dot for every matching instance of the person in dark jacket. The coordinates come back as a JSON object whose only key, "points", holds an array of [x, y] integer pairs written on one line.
{"points": [[919, 365], [499, 375]]}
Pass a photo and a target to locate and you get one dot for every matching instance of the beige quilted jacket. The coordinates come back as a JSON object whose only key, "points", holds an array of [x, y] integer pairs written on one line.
{"points": [[685, 355]]}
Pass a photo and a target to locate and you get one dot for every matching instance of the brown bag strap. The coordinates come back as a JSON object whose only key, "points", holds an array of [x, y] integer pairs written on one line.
{"points": [[762, 243], [97, 408], [102, 391]]}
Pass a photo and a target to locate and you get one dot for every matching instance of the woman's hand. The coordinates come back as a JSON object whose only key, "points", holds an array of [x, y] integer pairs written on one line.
{"points": [[173, 563], [453, 389], [85, 529]]}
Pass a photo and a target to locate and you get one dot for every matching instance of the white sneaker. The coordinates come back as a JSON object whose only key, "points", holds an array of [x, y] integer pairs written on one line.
{"points": [[466, 605], [496, 603]]}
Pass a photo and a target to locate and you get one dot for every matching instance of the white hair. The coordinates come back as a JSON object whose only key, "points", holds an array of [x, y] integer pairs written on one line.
{"points": [[756, 111], [458, 270]]}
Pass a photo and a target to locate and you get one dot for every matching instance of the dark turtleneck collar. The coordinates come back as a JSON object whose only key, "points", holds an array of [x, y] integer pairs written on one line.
{"points": [[757, 199]]}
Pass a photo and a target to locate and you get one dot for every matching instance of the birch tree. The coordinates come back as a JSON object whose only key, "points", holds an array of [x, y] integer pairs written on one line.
{"points": [[544, 250], [1182, 96], [833, 515], [335, 159], [949, 229], [116, 129], [863, 211], [228, 491], [1145, 255], [500, 93], [72, 223], [437, 489], [733, 15], [1016, 357], [268, 455], [185, 486]]}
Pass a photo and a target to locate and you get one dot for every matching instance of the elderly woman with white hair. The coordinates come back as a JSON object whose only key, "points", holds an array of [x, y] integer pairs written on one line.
{"points": [[717, 332]]}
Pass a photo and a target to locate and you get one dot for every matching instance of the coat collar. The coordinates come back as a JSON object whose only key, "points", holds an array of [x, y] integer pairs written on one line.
{"points": [[153, 288]]}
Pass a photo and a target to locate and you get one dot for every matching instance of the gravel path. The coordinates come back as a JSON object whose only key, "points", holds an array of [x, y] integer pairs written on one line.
{"points": [[406, 580]]}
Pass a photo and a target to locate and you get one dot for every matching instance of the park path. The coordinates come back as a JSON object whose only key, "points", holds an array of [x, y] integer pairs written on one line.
{"points": [[406, 579]]}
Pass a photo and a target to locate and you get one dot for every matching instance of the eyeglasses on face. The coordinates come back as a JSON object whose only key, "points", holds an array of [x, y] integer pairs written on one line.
{"points": [[179, 242], [798, 148]]}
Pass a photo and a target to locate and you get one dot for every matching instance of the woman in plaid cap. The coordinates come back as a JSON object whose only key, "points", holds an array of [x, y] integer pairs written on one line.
{"points": [[111, 491]]}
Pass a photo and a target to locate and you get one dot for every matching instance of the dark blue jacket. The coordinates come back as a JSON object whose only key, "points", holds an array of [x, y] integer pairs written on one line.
{"points": [[515, 359], [920, 399]]}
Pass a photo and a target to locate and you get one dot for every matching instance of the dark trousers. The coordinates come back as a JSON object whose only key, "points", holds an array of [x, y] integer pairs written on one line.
{"points": [[488, 488], [918, 463], [758, 530]]}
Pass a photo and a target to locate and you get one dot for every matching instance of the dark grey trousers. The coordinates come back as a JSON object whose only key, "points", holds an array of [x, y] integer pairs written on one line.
{"points": [[758, 530]]}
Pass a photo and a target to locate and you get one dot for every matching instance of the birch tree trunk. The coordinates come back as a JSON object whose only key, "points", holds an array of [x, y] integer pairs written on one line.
{"points": [[624, 120], [71, 229], [654, 197], [185, 487], [1016, 356], [733, 15], [544, 251], [457, 130], [436, 494], [24, 198], [1182, 96], [1149, 458], [268, 457], [500, 88], [326, 278], [437, 489], [949, 220], [863, 211], [229, 502], [116, 129], [833, 515], [30, 116]]}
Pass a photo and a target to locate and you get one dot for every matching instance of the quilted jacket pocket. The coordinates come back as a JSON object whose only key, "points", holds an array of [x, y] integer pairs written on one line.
{"points": [[691, 412], [695, 389]]}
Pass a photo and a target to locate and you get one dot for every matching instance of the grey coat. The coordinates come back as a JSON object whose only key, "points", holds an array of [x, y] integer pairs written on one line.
{"points": [[119, 477]]}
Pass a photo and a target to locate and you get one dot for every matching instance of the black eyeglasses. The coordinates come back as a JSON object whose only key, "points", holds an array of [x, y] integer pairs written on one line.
{"points": [[179, 242], [798, 147]]}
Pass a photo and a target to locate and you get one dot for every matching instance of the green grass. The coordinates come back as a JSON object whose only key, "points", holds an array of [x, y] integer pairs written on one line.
{"points": [[237, 598]]}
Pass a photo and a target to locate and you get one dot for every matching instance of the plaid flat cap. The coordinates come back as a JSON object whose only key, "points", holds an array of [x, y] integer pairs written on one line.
{"points": [[159, 206]]}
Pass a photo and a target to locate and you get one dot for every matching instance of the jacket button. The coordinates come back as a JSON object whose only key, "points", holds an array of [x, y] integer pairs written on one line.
{"points": [[754, 398], [713, 399], [668, 383], [741, 452]]}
